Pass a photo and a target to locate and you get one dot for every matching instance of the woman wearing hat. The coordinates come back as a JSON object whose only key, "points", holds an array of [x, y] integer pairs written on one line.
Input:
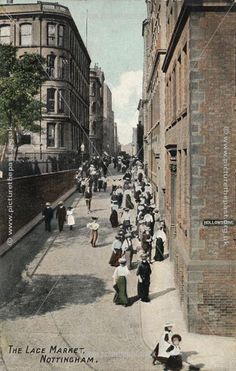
{"points": [[160, 352], [93, 226], [127, 247], [143, 272], [120, 283], [116, 251]]}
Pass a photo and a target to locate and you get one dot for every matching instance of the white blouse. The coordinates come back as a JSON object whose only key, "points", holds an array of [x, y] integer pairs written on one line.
{"points": [[121, 271]]}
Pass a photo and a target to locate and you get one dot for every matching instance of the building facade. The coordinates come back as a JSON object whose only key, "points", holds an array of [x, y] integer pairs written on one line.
{"points": [[96, 111], [49, 30], [108, 122], [153, 103], [200, 159]]}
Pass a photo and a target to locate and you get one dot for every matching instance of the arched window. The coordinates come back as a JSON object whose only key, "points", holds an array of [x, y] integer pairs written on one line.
{"points": [[26, 34], [5, 34]]}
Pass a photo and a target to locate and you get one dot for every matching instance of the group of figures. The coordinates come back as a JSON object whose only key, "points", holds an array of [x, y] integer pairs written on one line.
{"points": [[63, 215], [139, 231], [134, 214]]}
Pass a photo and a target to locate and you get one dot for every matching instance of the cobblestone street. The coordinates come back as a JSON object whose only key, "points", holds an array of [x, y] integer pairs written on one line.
{"points": [[65, 300]]}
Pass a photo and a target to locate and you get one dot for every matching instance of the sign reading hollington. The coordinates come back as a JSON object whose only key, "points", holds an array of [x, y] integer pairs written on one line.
{"points": [[55, 354], [218, 222]]}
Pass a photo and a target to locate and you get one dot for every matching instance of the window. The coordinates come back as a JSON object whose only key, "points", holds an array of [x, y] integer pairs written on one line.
{"points": [[51, 34], [62, 68], [61, 34], [61, 135], [92, 91], [51, 100], [51, 65], [5, 34], [51, 135], [61, 101], [94, 131], [26, 34], [94, 107]]}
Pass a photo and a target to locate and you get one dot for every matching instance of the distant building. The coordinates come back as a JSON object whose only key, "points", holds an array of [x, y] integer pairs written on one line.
{"points": [[49, 30], [134, 142], [140, 131], [96, 111], [108, 122]]}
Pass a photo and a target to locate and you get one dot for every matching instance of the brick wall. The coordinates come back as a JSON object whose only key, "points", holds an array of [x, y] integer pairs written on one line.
{"points": [[29, 196]]}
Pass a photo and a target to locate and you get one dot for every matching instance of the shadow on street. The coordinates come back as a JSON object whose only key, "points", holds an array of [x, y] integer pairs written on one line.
{"points": [[48, 293]]}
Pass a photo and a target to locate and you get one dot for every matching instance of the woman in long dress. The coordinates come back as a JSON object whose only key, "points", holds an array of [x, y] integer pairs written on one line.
{"points": [[120, 283], [159, 255], [160, 353], [114, 219], [116, 251], [127, 247], [70, 217]]}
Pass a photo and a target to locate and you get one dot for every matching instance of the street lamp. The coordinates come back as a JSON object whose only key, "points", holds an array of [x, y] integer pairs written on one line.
{"points": [[82, 148]]}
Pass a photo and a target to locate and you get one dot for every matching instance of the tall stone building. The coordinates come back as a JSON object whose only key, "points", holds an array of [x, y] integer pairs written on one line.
{"points": [[96, 111], [200, 158], [49, 30], [108, 121], [154, 33]]}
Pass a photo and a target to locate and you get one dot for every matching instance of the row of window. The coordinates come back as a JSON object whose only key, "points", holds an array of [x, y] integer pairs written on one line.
{"points": [[55, 34], [57, 102], [56, 135]]}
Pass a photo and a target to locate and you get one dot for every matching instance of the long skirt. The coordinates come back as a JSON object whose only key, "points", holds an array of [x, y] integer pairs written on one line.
{"points": [[115, 256], [121, 291], [114, 219], [129, 257], [159, 254], [143, 290], [174, 363]]}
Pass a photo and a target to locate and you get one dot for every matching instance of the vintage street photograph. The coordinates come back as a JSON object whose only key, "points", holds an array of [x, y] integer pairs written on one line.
{"points": [[118, 185]]}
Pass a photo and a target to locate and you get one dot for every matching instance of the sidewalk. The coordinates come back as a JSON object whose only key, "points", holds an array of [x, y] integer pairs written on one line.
{"points": [[209, 353]]}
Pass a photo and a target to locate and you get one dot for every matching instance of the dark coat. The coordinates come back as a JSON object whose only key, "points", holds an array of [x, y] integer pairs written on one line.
{"points": [[61, 214], [47, 213]]}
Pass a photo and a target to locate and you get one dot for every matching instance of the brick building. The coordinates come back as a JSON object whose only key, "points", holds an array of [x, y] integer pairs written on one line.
{"points": [[154, 34], [96, 111], [200, 159], [49, 30]]}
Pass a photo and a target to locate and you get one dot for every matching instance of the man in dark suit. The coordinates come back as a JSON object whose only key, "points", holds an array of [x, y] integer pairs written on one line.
{"points": [[61, 215], [48, 215]]}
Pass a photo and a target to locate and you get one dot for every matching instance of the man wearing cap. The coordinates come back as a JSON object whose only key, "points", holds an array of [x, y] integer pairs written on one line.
{"points": [[48, 215], [143, 272], [61, 215], [93, 226]]}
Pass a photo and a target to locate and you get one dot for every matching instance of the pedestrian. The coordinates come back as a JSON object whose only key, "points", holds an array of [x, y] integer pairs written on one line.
{"points": [[129, 204], [143, 273], [61, 215], [70, 217], [114, 218], [174, 362], [93, 226], [126, 219], [160, 352], [127, 247], [83, 186], [147, 243], [100, 184], [88, 198], [119, 193], [120, 283], [159, 254], [116, 251], [48, 216], [104, 183]]}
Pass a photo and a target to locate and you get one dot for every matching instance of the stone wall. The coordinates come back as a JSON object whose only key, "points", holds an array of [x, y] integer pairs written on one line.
{"points": [[29, 196]]}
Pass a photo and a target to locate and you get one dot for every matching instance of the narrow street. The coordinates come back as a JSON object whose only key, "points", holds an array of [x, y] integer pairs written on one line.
{"points": [[67, 300]]}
